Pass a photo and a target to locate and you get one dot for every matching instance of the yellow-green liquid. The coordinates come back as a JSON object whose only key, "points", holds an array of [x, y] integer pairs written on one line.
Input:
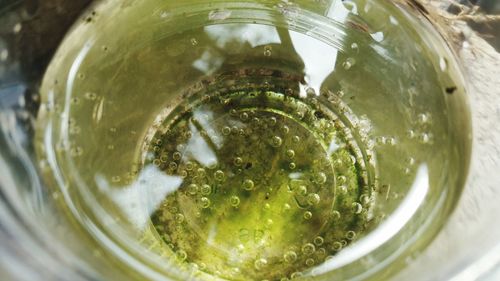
{"points": [[251, 140]]}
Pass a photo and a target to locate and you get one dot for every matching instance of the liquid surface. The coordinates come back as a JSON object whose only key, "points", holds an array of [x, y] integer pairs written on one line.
{"points": [[271, 185], [253, 140]]}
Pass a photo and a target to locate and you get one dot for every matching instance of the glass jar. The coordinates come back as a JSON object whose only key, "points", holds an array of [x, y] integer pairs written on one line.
{"points": [[401, 96]]}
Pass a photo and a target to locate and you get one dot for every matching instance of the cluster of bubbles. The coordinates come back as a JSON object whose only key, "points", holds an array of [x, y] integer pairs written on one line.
{"points": [[270, 167]]}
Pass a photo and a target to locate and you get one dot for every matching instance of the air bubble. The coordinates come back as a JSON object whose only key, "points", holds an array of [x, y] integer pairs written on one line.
{"points": [[276, 141], [244, 116], [313, 199], [268, 51], [189, 166], [318, 241], [205, 202], [260, 264], [423, 118], [90, 96], [177, 156], [295, 139], [424, 138], [355, 47], [342, 189], [335, 215], [181, 255], [341, 179], [320, 178], [292, 166], [337, 246], [219, 175], [350, 235], [179, 218], [76, 151], [290, 153], [248, 185], [348, 63], [357, 208], [206, 189], [310, 91], [234, 201], [193, 41], [226, 131], [238, 161], [307, 215], [290, 257], [192, 189], [308, 249], [201, 172], [302, 190]]}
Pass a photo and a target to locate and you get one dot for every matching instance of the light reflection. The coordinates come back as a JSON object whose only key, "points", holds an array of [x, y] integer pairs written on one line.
{"points": [[209, 62], [199, 149], [253, 34], [386, 229], [319, 60], [140, 199]]}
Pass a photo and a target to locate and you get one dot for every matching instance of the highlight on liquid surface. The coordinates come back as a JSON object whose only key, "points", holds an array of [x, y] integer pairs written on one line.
{"points": [[253, 140]]}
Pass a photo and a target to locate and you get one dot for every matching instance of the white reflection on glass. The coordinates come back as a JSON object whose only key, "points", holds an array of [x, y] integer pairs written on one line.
{"points": [[338, 11], [199, 149], [209, 62], [253, 34], [385, 230], [205, 119], [319, 60], [140, 199]]}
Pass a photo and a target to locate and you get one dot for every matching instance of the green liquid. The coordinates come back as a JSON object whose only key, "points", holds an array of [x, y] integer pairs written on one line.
{"points": [[251, 141], [271, 185]]}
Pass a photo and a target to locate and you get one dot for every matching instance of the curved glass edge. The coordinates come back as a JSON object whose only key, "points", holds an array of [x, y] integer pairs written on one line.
{"points": [[468, 246]]}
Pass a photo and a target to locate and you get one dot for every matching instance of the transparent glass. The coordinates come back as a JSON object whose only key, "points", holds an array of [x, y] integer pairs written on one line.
{"points": [[76, 186]]}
